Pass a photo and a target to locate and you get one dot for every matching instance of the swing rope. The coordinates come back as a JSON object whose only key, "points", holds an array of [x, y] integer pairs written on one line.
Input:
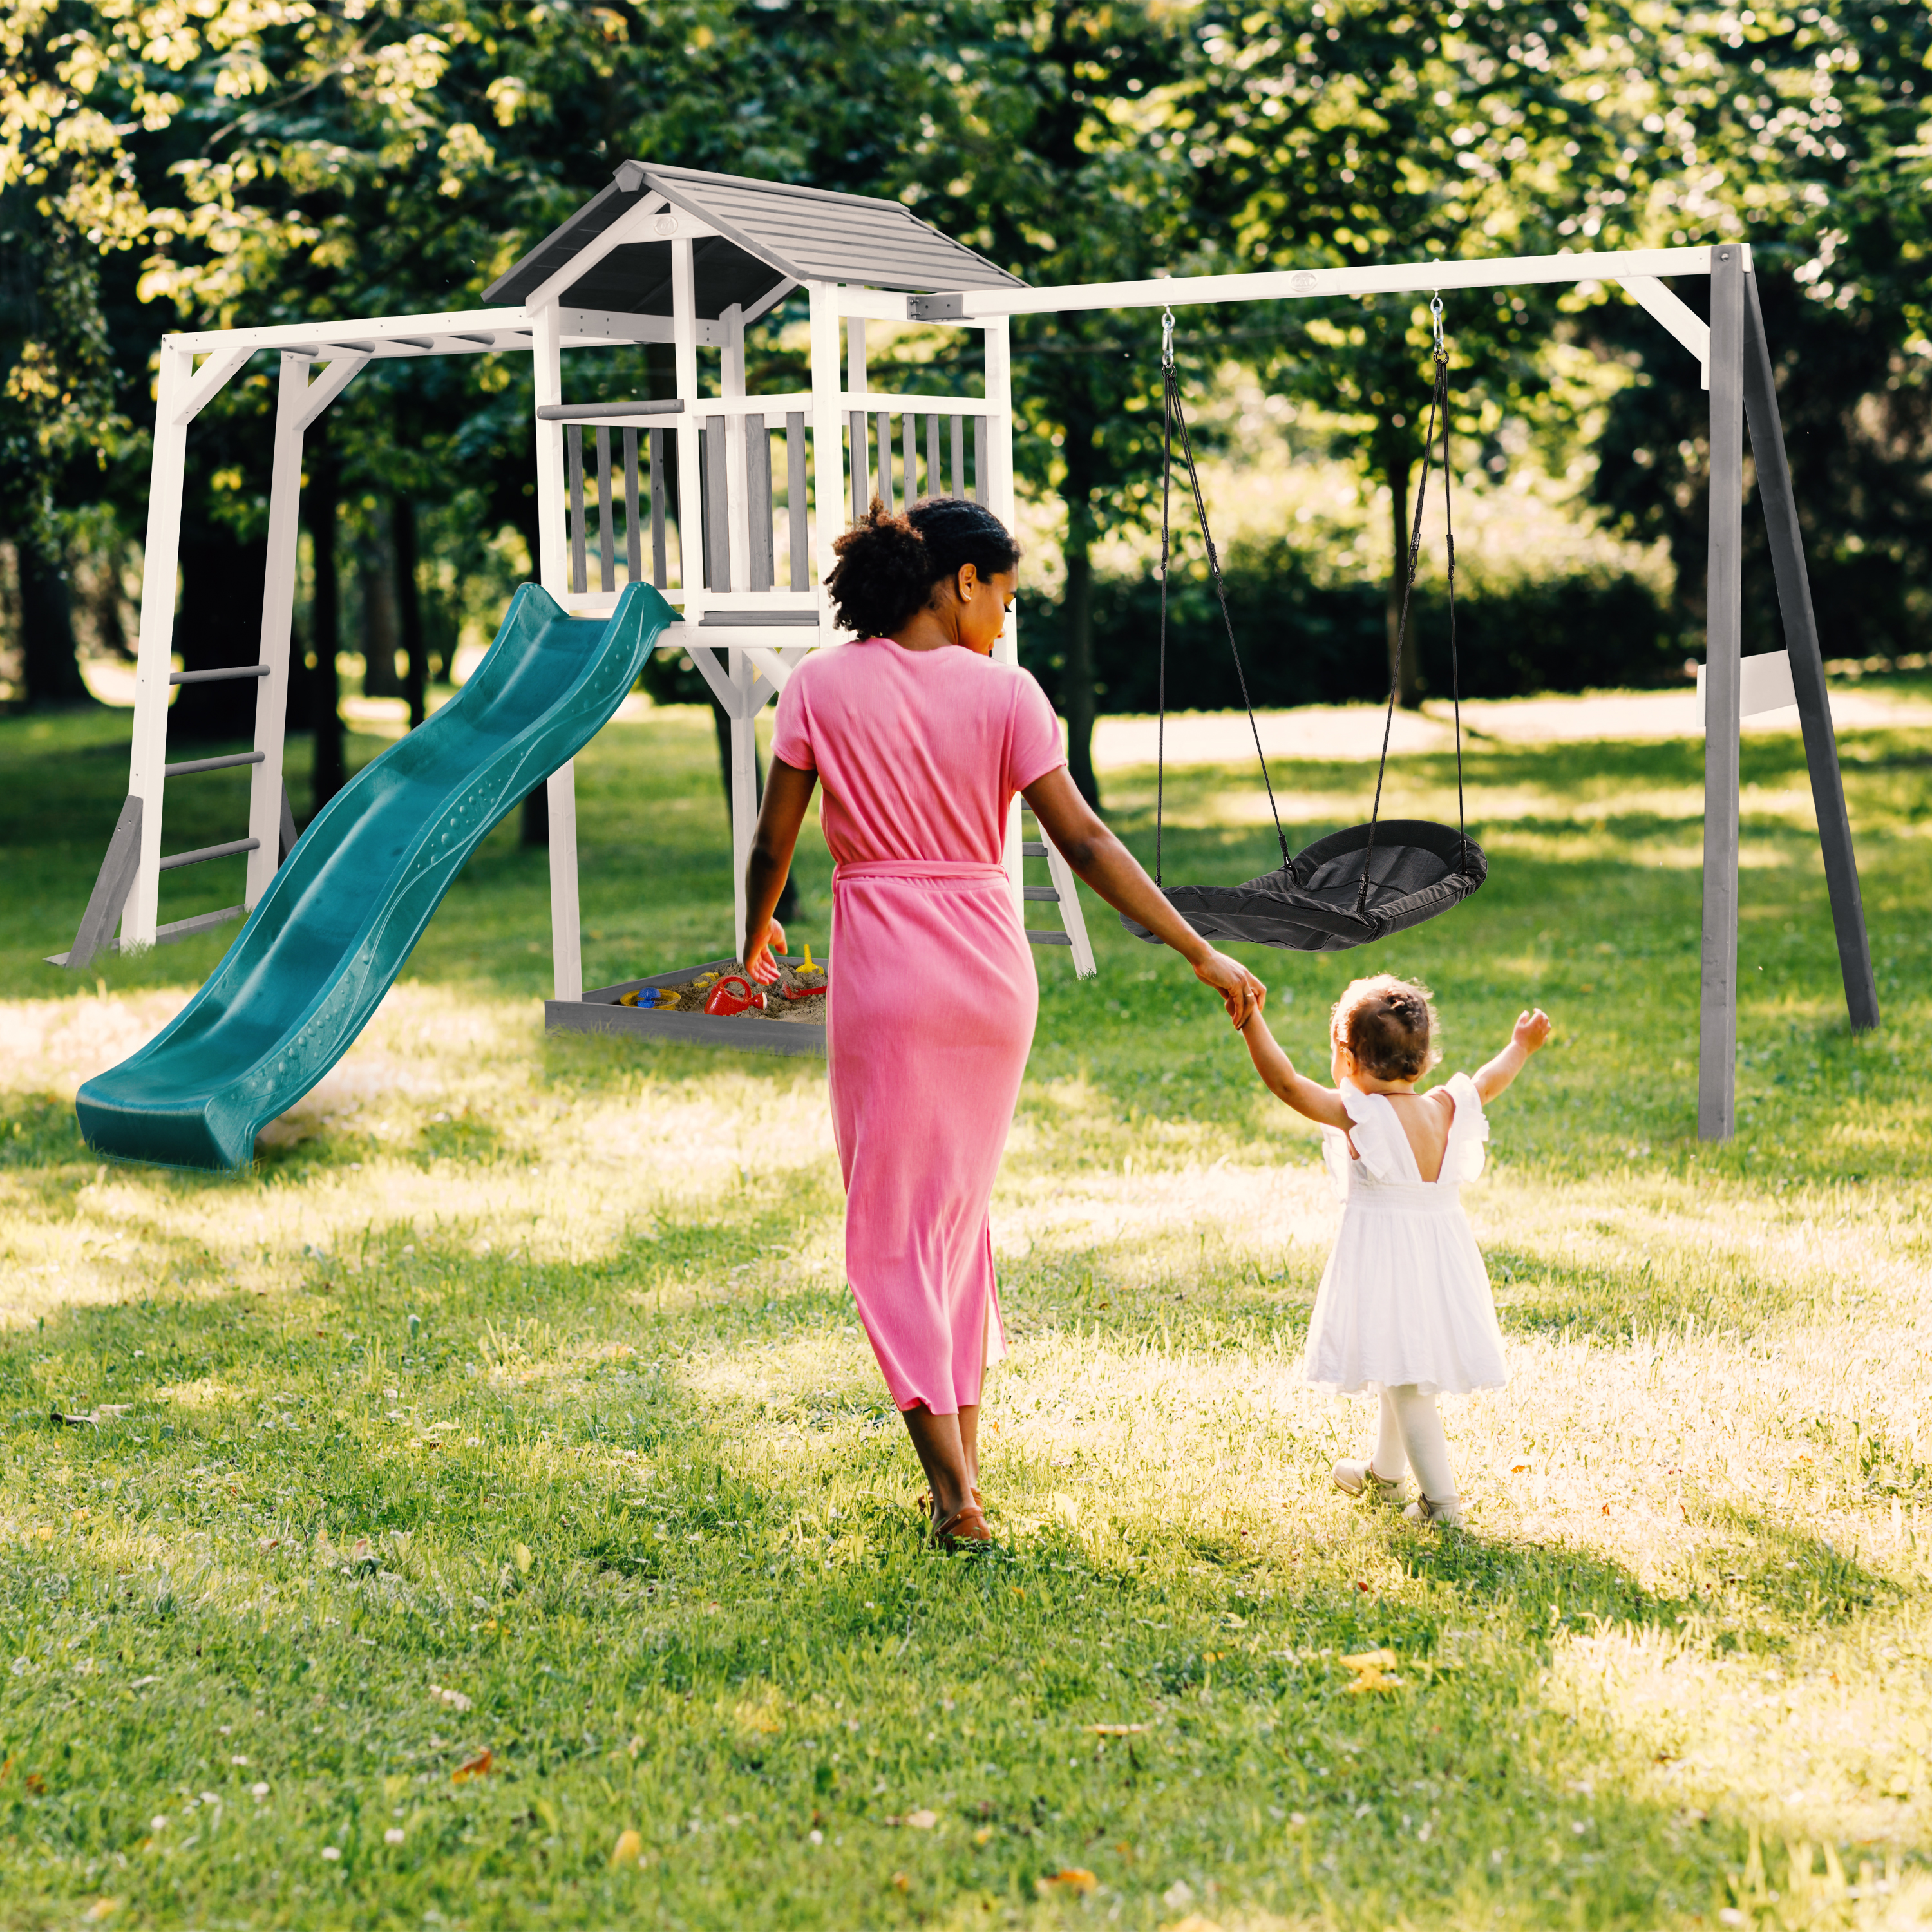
{"points": [[1439, 409], [1174, 416]]}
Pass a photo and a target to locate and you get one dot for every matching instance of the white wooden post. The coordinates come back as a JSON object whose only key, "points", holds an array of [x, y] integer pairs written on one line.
{"points": [[690, 490], [154, 663], [278, 605], [552, 565], [744, 787], [997, 493], [828, 437]]}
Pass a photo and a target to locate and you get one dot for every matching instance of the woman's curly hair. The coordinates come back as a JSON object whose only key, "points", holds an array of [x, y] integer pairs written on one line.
{"points": [[888, 564], [1389, 1025]]}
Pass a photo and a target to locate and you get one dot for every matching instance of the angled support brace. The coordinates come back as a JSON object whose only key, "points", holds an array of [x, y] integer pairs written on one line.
{"points": [[1676, 315], [109, 896], [208, 382], [1717, 991], [1807, 666]]}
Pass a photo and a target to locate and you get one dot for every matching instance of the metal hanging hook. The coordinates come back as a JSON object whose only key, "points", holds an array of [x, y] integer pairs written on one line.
{"points": [[1167, 338], [1436, 316]]}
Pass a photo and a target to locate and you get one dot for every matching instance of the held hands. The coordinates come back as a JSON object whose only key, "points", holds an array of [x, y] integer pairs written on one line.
{"points": [[1532, 1029], [1241, 993], [758, 952]]}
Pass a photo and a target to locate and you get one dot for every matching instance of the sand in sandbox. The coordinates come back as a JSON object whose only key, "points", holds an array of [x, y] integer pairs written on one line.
{"points": [[777, 1008]]}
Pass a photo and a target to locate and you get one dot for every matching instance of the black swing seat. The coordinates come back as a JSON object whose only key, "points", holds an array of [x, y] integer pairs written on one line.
{"points": [[1416, 870]]}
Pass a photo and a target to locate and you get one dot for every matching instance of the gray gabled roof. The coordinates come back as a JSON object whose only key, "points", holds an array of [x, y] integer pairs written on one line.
{"points": [[768, 233]]}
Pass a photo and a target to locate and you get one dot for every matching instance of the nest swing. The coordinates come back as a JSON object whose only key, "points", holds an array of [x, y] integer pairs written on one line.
{"points": [[1369, 880]]}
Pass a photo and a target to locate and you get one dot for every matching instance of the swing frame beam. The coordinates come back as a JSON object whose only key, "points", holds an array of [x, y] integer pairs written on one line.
{"points": [[1737, 370]]}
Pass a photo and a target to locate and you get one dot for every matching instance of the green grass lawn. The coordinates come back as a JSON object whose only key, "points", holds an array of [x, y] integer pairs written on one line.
{"points": [[500, 1522]]}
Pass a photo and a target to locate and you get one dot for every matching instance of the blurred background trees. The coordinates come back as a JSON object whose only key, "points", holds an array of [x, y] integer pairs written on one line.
{"points": [[161, 168]]}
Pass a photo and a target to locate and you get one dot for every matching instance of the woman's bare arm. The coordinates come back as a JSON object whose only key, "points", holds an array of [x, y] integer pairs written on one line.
{"points": [[1322, 1104], [1099, 858], [787, 792]]}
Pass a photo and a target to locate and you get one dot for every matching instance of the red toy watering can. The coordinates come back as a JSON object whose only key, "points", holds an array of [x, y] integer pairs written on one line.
{"points": [[726, 999]]}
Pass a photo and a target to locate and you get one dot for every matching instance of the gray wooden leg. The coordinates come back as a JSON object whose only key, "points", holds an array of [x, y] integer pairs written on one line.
{"points": [[286, 839], [1718, 1000], [116, 879], [1807, 666]]}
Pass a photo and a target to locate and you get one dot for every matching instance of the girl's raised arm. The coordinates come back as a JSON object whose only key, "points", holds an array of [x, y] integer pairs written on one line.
{"points": [[1532, 1029], [1322, 1104]]}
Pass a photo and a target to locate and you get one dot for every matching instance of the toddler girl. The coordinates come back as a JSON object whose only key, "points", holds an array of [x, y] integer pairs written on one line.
{"points": [[1404, 1302]]}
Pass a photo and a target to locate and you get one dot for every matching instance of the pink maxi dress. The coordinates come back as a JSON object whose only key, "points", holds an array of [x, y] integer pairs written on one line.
{"points": [[933, 995]]}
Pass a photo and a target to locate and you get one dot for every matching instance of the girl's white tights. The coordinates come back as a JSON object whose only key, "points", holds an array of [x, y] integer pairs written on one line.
{"points": [[1411, 1437]]}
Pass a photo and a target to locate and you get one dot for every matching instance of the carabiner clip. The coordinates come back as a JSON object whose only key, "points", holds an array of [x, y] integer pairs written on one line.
{"points": [[1435, 315], [1167, 338]]}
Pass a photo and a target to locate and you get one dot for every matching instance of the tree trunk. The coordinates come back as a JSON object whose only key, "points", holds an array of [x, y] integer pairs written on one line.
{"points": [[376, 571], [1406, 675], [51, 670], [408, 609], [326, 627], [1076, 680]]}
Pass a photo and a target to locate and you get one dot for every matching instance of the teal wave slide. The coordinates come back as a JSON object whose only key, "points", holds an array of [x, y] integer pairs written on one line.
{"points": [[332, 931]]}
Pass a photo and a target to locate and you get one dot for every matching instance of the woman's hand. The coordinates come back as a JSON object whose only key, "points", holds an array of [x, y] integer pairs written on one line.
{"points": [[758, 952], [1241, 993]]}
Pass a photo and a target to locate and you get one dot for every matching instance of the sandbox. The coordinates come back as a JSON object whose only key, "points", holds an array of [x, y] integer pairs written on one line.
{"points": [[783, 1026]]}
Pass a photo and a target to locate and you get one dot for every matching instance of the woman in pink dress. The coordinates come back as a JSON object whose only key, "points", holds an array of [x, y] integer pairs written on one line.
{"points": [[922, 740]]}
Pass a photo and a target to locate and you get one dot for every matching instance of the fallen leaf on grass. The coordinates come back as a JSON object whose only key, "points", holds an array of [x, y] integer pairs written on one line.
{"points": [[1371, 1667], [101, 1908], [629, 1847], [481, 1765], [519, 1555], [1117, 1730], [1075, 1878], [37, 1784], [901, 1883]]}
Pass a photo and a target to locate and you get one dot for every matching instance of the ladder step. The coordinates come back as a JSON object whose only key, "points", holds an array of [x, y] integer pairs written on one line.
{"points": [[1056, 938], [1032, 848], [227, 851], [1040, 893], [181, 770], [215, 677]]}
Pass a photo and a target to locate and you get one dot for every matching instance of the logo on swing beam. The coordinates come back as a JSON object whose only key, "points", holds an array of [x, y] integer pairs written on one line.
{"points": [[1305, 283]]}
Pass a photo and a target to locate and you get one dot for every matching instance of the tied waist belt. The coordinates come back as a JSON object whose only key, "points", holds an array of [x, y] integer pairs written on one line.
{"points": [[922, 872]]}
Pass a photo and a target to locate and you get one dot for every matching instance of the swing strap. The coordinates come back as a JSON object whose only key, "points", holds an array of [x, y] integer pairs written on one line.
{"points": [[1174, 418], [1438, 411]]}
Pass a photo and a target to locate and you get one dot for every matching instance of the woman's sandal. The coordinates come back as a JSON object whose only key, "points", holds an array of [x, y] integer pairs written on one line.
{"points": [[966, 1524], [1447, 1510]]}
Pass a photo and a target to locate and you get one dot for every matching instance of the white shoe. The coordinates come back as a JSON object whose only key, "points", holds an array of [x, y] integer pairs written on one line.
{"points": [[1353, 1479], [1448, 1510]]}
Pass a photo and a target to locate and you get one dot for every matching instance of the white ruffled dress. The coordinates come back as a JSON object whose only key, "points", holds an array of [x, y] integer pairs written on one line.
{"points": [[1405, 1297]]}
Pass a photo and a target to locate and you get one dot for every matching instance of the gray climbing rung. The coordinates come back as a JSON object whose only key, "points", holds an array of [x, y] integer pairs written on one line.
{"points": [[1032, 848], [1040, 893], [216, 676], [1050, 938], [181, 770], [227, 851]]}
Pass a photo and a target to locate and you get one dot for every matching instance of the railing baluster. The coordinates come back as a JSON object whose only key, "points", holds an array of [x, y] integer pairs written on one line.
{"points": [[634, 537], [660, 557], [935, 483], [573, 464], [980, 492], [862, 481], [959, 456], [759, 559], [801, 562], [607, 531], [885, 460], [909, 442], [717, 514]]}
